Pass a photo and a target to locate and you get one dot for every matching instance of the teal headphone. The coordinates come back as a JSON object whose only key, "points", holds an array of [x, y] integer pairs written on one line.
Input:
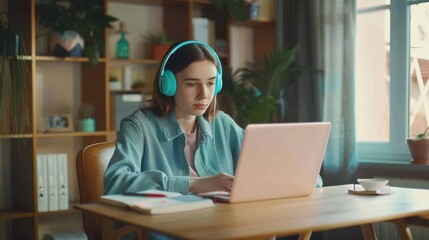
{"points": [[167, 80]]}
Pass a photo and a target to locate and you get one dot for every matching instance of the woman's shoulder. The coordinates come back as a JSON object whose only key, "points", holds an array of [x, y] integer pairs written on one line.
{"points": [[141, 116], [224, 117]]}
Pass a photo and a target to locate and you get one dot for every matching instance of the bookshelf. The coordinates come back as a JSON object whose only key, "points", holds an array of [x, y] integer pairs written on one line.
{"points": [[62, 84]]}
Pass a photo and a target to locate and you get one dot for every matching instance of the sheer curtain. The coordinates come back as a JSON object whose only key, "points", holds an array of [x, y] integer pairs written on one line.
{"points": [[324, 30]]}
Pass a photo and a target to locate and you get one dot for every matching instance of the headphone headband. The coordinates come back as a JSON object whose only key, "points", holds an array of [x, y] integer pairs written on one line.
{"points": [[167, 81]]}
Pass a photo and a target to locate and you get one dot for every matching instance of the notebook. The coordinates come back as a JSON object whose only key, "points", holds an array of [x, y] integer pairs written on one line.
{"points": [[157, 202], [278, 160]]}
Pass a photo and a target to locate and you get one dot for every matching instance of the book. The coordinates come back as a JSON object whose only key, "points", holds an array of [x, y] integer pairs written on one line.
{"points": [[63, 188], [158, 202], [52, 173], [42, 183]]}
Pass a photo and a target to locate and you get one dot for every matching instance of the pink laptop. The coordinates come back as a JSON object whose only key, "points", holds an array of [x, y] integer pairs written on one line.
{"points": [[279, 160]]}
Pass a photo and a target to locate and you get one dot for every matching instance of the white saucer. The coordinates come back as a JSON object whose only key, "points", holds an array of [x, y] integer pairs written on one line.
{"points": [[358, 189]]}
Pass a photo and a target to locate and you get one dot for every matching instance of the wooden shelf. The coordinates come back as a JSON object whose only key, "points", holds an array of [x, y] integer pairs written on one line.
{"points": [[124, 62], [253, 23], [70, 134], [146, 2], [204, 2], [65, 59], [16, 136], [71, 210], [9, 215], [145, 90]]}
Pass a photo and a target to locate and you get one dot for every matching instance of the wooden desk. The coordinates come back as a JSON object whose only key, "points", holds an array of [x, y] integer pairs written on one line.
{"points": [[327, 208]]}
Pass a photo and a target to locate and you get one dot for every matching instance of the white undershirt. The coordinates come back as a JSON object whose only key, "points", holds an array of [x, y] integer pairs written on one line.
{"points": [[190, 149]]}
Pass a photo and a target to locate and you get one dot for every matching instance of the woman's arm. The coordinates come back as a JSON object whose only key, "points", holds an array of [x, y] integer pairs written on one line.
{"points": [[125, 173], [219, 182]]}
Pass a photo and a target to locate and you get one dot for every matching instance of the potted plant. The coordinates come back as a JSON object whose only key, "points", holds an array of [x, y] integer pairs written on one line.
{"points": [[114, 83], [256, 86], [160, 43], [138, 85], [419, 148], [74, 18], [14, 77]]}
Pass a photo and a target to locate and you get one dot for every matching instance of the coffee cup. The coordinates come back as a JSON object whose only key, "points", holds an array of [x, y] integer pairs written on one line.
{"points": [[372, 184]]}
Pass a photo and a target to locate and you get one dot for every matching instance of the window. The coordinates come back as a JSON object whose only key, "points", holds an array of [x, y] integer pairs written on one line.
{"points": [[419, 68], [392, 76]]}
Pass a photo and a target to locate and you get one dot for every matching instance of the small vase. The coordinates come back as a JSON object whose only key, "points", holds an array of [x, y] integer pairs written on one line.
{"points": [[122, 48], [68, 44], [87, 125], [159, 50]]}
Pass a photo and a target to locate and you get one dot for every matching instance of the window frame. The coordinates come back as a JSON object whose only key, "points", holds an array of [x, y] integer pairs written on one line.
{"points": [[396, 150]]}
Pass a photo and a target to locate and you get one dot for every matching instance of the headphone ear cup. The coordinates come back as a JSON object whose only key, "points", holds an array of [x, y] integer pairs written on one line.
{"points": [[167, 83], [218, 84]]}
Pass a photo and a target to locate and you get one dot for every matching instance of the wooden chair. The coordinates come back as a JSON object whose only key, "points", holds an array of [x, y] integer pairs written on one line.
{"points": [[91, 163]]}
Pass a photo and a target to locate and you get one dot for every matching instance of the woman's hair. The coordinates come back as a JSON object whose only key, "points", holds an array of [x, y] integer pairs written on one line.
{"points": [[179, 60]]}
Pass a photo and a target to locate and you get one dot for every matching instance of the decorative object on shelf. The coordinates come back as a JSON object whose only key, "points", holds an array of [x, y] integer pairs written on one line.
{"points": [[255, 88], [114, 84], [122, 46], [160, 43], [85, 17], [138, 85], [68, 44], [126, 78], [86, 118], [14, 77], [253, 10], [58, 123], [419, 148]]}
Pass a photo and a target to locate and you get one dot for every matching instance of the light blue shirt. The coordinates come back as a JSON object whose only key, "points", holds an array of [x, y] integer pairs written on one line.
{"points": [[150, 152]]}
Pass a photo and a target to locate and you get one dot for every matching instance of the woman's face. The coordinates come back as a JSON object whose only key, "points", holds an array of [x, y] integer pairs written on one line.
{"points": [[195, 89]]}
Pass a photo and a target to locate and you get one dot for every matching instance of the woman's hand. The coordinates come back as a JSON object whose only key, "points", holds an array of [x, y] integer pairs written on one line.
{"points": [[219, 182]]}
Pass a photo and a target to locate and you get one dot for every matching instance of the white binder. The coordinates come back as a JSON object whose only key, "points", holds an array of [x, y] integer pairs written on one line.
{"points": [[63, 189], [52, 183], [42, 183]]}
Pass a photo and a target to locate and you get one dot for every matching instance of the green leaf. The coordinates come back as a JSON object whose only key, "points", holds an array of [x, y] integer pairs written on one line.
{"points": [[237, 9], [423, 135]]}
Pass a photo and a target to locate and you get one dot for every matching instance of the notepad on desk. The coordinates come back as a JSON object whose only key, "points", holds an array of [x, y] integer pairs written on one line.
{"points": [[151, 202]]}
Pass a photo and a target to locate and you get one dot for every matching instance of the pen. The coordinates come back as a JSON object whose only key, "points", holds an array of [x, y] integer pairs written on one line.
{"points": [[154, 195]]}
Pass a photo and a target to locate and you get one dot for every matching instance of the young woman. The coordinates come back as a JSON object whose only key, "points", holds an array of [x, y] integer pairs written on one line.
{"points": [[180, 142]]}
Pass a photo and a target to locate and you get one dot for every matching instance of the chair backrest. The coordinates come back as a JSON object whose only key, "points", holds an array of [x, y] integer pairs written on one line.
{"points": [[91, 163]]}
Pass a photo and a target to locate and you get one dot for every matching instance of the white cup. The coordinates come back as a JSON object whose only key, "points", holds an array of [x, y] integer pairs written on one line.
{"points": [[372, 184]]}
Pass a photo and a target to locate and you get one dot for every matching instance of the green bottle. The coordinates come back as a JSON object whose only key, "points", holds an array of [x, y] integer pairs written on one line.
{"points": [[122, 47]]}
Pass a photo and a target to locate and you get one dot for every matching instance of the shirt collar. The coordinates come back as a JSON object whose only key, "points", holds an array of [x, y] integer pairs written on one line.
{"points": [[171, 127]]}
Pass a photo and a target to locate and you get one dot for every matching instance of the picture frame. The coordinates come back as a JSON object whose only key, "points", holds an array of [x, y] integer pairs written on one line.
{"points": [[58, 123]]}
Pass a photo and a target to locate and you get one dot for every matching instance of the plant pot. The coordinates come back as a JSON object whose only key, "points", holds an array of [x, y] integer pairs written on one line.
{"points": [[115, 86], [419, 151], [159, 50], [68, 44]]}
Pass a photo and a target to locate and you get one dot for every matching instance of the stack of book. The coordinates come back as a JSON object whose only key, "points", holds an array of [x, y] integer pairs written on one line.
{"points": [[52, 182]]}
